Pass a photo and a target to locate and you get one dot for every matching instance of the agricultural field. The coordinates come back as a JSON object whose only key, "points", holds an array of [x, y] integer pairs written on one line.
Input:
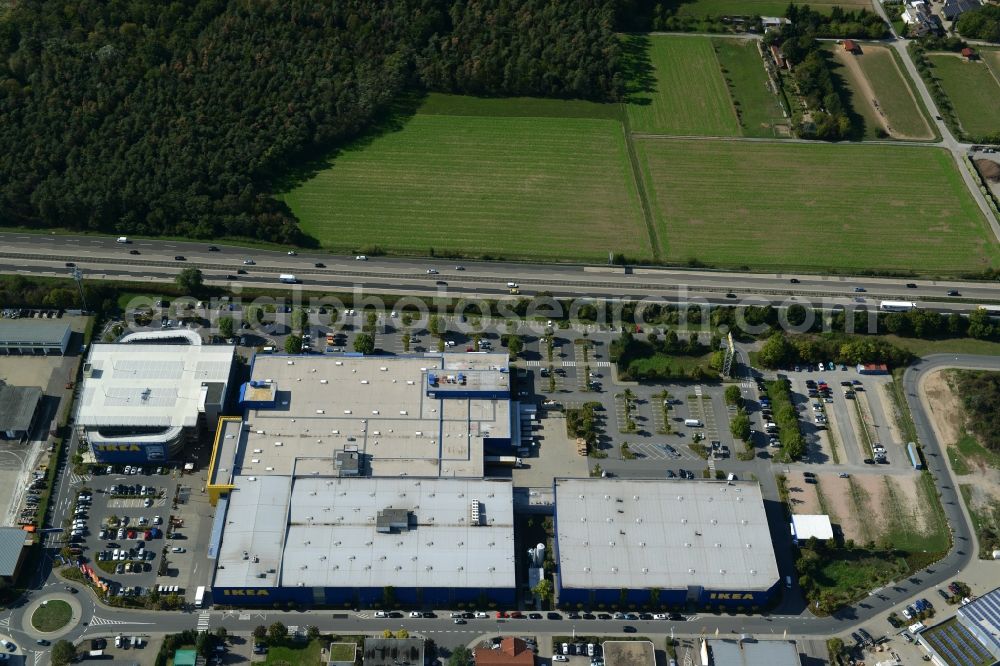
{"points": [[690, 98], [813, 206], [476, 185], [743, 69], [974, 90], [759, 7], [881, 93]]}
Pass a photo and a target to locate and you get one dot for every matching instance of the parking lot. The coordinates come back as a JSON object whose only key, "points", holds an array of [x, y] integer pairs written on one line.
{"points": [[118, 523]]}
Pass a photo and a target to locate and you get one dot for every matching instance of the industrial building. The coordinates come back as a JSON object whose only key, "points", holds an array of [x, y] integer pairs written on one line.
{"points": [[972, 636], [349, 475], [34, 336], [624, 541], [748, 652], [18, 411], [337, 541], [143, 401]]}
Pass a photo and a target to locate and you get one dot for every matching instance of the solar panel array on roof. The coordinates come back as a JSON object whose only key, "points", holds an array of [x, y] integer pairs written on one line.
{"points": [[982, 618], [956, 644]]}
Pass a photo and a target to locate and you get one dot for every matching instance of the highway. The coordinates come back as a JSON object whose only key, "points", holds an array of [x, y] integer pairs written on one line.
{"points": [[104, 258]]}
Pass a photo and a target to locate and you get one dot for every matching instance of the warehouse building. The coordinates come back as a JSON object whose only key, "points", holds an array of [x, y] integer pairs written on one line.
{"points": [[346, 541], [141, 402], [349, 476], [18, 411], [34, 336], [351, 415], [662, 542]]}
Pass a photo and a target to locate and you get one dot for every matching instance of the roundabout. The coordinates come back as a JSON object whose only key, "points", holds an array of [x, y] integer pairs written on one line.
{"points": [[51, 616]]}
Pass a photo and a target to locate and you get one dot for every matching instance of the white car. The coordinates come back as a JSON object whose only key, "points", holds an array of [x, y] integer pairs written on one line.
{"points": [[481, 614], [660, 616], [415, 614], [157, 520], [432, 271], [147, 503], [560, 657], [177, 549], [292, 253], [361, 257]]}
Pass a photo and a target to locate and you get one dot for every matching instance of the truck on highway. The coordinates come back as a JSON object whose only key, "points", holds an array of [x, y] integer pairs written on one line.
{"points": [[897, 306], [122, 239], [287, 278], [914, 455], [508, 461], [199, 596]]}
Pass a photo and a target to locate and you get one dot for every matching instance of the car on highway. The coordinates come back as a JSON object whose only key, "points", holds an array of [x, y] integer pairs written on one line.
{"points": [[459, 268], [292, 253], [360, 257], [459, 620], [70, 264], [134, 252], [432, 271], [552, 615], [954, 292], [794, 280], [860, 290], [911, 285], [319, 264], [212, 248], [231, 277]]}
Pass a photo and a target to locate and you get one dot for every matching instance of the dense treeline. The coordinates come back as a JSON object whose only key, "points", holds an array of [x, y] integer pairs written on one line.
{"points": [[980, 395], [132, 116], [859, 24], [981, 23]]}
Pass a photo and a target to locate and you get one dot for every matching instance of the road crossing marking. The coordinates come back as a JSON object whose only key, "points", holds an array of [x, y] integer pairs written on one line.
{"points": [[203, 620], [100, 621]]}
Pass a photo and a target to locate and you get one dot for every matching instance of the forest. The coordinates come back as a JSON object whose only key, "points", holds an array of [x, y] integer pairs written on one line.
{"points": [[980, 395], [182, 118], [980, 23]]}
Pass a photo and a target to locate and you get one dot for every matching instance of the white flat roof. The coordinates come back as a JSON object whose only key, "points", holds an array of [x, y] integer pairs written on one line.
{"points": [[378, 404], [807, 526], [150, 384], [667, 534], [321, 532]]}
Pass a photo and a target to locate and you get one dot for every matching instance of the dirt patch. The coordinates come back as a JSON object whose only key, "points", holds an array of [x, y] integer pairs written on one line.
{"points": [[802, 496], [905, 500], [989, 169], [848, 506], [946, 410]]}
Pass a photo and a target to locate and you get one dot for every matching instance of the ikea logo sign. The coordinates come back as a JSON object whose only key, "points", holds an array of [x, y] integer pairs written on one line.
{"points": [[118, 447], [730, 596], [249, 592]]}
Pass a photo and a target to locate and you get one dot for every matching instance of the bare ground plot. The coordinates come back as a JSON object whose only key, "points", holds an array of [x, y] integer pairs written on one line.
{"points": [[813, 206], [973, 89], [869, 507]]}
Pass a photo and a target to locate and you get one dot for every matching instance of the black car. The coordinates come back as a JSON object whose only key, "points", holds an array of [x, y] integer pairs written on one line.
{"points": [[589, 616], [953, 292], [730, 295], [573, 616], [319, 264], [534, 616], [429, 614], [794, 280], [70, 264], [869, 461], [645, 616], [231, 277], [179, 257], [911, 285], [603, 616], [676, 617], [553, 616], [212, 248], [628, 629], [134, 252], [240, 271]]}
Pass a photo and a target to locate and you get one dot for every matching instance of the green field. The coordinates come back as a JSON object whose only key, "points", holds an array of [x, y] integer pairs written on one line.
{"points": [[973, 90], [814, 207], [690, 98], [759, 7], [878, 76], [742, 66], [532, 187], [55, 614]]}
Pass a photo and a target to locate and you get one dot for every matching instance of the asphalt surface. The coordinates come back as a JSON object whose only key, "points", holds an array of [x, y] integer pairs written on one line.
{"points": [[102, 258]]}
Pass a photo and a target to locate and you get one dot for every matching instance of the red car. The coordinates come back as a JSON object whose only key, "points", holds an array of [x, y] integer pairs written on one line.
{"points": [[501, 614], [516, 614]]}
